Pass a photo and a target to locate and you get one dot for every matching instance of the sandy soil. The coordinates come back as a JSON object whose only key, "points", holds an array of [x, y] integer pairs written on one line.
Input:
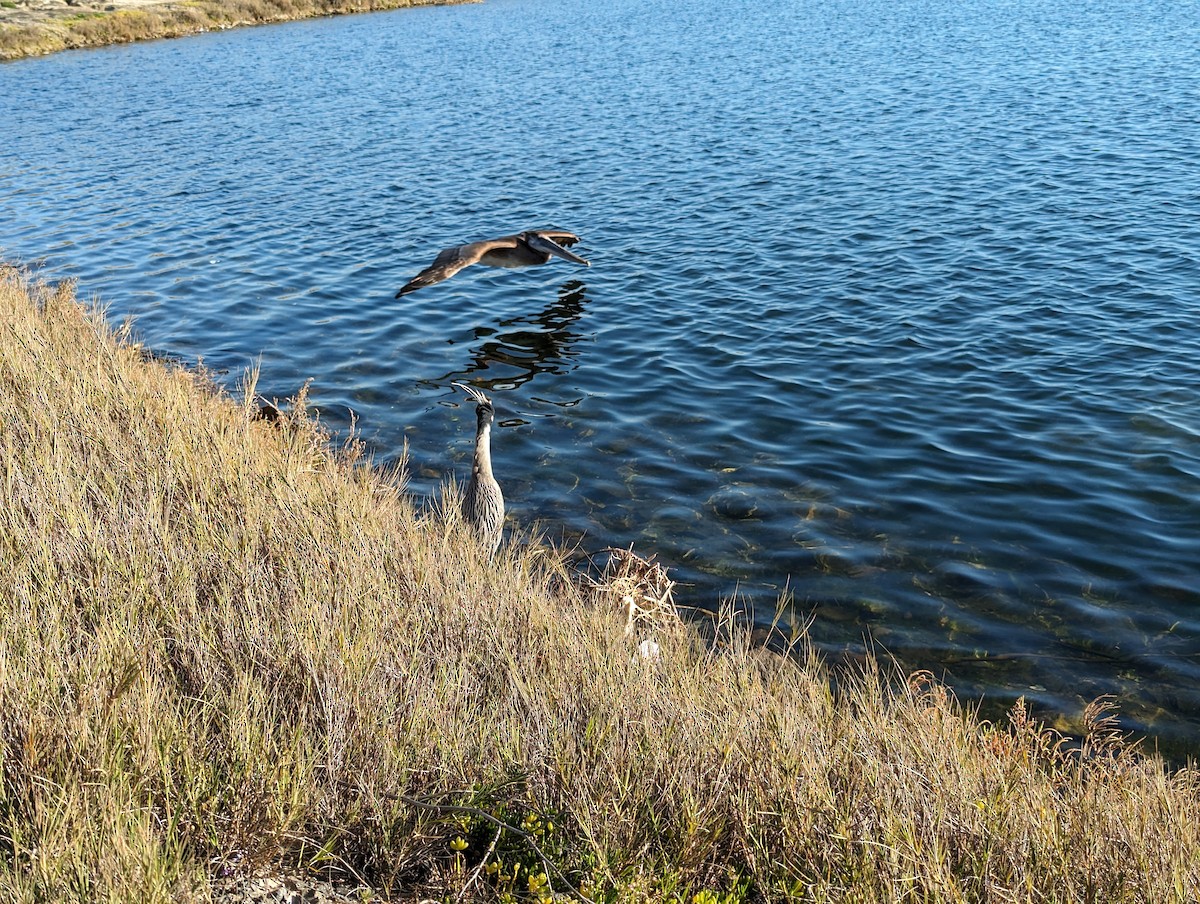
{"points": [[37, 12]]}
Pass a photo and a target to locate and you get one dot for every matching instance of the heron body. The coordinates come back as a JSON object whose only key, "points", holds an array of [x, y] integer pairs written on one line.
{"points": [[483, 502], [525, 249]]}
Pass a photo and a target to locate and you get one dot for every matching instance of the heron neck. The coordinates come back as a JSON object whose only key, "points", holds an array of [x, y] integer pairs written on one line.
{"points": [[483, 450]]}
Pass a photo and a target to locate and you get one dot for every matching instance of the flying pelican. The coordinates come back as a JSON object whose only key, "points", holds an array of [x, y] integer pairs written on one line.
{"points": [[483, 503], [525, 249]]}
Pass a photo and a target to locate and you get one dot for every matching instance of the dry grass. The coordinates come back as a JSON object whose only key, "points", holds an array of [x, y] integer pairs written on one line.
{"points": [[223, 647], [637, 587], [171, 20]]}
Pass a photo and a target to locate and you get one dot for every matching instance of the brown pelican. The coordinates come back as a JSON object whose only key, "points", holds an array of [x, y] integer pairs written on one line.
{"points": [[525, 249], [483, 503]]}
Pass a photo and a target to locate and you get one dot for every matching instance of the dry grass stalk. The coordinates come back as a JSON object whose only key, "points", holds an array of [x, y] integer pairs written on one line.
{"points": [[638, 587]]}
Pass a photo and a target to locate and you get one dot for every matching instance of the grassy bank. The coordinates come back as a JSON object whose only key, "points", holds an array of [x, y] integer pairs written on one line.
{"points": [[47, 31], [224, 648]]}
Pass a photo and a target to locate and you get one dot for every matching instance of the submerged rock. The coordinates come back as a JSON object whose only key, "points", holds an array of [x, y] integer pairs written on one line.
{"points": [[734, 504]]}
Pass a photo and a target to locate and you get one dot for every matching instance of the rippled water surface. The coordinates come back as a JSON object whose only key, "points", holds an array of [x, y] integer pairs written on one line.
{"points": [[893, 305]]}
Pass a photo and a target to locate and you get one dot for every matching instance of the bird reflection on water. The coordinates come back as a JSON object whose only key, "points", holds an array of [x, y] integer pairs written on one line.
{"points": [[516, 350]]}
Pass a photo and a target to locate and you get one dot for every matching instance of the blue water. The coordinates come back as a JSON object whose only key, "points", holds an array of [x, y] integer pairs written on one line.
{"points": [[894, 308]]}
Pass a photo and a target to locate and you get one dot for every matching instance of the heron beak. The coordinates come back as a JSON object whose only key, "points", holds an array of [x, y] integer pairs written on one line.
{"points": [[548, 246], [474, 393]]}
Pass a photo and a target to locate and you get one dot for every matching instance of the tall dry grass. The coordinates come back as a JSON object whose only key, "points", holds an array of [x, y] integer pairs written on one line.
{"points": [[95, 28], [223, 647]]}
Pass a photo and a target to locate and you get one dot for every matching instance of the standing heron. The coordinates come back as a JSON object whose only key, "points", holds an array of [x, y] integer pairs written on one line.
{"points": [[525, 249], [483, 503]]}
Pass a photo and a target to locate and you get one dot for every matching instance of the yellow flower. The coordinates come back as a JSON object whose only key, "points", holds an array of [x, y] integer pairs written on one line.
{"points": [[458, 844]]}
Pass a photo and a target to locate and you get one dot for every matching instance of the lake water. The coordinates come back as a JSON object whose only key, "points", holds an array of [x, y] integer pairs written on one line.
{"points": [[894, 306]]}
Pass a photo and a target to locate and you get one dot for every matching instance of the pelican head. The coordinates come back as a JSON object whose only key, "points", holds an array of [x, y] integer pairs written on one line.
{"points": [[539, 242]]}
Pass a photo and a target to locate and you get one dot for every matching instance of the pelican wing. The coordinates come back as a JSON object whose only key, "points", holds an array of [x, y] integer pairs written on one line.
{"points": [[506, 251], [451, 261]]}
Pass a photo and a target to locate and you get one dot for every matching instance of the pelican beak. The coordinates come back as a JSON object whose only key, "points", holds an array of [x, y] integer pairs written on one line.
{"points": [[547, 246]]}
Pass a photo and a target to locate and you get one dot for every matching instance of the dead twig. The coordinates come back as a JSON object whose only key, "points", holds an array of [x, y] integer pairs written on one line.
{"points": [[640, 586]]}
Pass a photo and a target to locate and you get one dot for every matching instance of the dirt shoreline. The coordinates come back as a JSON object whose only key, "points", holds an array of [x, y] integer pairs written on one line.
{"points": [[25, 13], [42, 13], [38, 27]]}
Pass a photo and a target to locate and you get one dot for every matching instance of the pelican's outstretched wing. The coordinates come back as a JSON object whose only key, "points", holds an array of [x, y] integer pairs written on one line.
{"points": [[526, 249], [450, 261]]}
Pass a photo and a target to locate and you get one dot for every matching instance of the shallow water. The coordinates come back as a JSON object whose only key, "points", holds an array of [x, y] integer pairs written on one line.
{"points": [[893, 306]]}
